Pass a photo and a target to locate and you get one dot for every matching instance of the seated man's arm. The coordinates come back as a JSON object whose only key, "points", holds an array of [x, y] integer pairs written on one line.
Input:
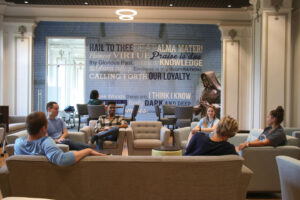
{"points": [[85, 152], [55, 155], [64, 135]]}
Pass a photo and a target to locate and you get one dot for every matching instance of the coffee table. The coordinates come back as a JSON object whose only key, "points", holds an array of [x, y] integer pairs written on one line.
{"points": [[167, 151]]}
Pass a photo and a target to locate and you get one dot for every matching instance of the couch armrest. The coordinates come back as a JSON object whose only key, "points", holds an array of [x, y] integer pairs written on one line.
{"points": [[261, 160], [64, 147], [181, 134], [164, 136], [78, 137], [10, 139], [92, 123], [130, 138], [10, 149], [16, 119], [238, 139], [4, 182], [121, 138], [296, 134], [244, 182]]}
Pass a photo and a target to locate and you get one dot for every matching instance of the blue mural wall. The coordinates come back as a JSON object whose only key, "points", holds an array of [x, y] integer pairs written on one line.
{"points": [[143, 63]]}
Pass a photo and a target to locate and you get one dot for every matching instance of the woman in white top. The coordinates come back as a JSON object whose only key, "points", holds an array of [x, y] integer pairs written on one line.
{"points": [[207, 124]]}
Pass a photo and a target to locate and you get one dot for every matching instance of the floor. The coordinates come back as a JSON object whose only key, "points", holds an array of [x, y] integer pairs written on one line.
{"points": [[256, 196]]}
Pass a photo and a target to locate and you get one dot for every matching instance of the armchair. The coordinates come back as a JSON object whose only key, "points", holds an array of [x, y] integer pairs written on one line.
{"points": [[142, 137], [181, 135], [110, 147]]}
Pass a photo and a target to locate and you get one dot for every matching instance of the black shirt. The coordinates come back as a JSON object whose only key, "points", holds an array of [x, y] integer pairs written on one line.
{"points": [[201, 144]]}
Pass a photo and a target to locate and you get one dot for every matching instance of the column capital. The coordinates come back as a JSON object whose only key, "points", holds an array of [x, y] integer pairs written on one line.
{"points": [[24, 28], [235, 32]]}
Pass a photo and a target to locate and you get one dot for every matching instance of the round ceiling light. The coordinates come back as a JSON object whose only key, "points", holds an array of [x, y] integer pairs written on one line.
{"points": [[126, 14]]}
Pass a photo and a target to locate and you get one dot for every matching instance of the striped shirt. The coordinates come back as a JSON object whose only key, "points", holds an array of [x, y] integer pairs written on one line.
{"points": [[104, 122]]}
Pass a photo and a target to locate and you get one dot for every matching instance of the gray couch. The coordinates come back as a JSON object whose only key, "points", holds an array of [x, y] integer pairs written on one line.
{"points": [[261, 160], [133, 177], [142, 137]]}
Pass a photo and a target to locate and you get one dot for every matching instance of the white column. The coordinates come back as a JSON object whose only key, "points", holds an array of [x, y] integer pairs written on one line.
{"points": [[1, 61], [18, 67], [273, 29], [236, 73], [296, 66]]}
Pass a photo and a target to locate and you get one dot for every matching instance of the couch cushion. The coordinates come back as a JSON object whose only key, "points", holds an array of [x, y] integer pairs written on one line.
{"points": [[146, 130], [147, 143], [110, 144], [16, 126]]}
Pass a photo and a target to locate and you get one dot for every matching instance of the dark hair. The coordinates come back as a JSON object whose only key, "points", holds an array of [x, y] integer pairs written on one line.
{"points": [[50, 104], [278, 113], [35, 121], [94, 94], [111, 103]]}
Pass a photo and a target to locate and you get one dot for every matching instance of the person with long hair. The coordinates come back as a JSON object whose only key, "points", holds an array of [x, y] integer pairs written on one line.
{"points": [[202, 144], [273, 135], [207, 124]]}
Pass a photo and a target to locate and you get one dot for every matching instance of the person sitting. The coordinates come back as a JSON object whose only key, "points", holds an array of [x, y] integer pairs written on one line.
{"points": [[107, 127], [38, 143], [57, 129], [202, 144], [94, 98], [273, 135], [207, 124]]}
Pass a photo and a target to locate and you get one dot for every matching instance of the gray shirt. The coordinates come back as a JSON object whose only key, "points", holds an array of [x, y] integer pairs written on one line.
{"points": [[277, 137]]}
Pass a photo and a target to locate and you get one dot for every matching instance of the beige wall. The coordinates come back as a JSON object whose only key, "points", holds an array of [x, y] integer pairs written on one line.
{"points": [[296, 64]]}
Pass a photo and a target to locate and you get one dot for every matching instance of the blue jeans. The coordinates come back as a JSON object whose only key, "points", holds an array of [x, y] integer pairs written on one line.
{"points": [[73, 145], [111, 134]]}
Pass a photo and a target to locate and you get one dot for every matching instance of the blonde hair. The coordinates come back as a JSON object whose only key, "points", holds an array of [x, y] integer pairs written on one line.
{"points": [[227, 127], [205, 123]]}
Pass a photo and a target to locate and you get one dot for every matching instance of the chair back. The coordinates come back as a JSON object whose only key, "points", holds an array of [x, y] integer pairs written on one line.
{"points": [[146, 130], [82, 109], [184, 112], [168, 109], [95, 111], [134, 112], [157, 111]]}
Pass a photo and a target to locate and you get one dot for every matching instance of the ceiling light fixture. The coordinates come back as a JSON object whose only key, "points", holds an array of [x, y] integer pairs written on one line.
{"points": [[171, 5], [86, 3], [126, 14], [229, 6], [26, 2]]}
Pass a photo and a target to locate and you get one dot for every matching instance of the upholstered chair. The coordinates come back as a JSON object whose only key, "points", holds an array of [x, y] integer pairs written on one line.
{"points": [[142, 137]]}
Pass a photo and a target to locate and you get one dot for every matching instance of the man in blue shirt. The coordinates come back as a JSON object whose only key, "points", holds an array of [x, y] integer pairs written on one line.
{"points": [[38, 143], [57, 129]]}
